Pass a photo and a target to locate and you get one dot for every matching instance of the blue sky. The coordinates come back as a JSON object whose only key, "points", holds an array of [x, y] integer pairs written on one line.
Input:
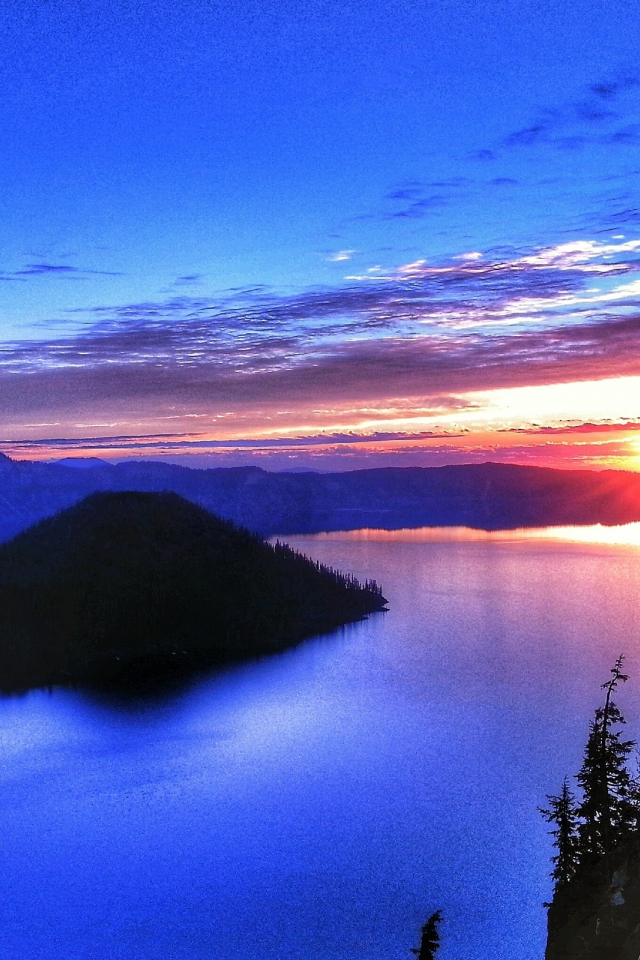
{"points": [[174, 160]]}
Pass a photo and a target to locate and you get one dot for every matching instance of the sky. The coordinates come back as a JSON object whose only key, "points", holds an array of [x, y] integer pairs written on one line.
{"points": [[320, 235]]}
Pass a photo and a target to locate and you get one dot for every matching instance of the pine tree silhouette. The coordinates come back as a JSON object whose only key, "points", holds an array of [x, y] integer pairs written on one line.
{"points": [[563, 812], [608, 811], [430, 938]]}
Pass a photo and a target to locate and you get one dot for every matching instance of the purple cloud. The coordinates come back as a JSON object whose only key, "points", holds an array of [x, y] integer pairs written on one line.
{"points": [[608, 426], [425, 331]]}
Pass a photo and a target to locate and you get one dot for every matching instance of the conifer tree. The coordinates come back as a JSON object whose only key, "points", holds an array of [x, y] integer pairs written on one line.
{"points": [[563, 813], [607, 811], [430, 938]]}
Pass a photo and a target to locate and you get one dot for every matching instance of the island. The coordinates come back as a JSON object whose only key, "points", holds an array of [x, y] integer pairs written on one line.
{"points": [[124, 585]]}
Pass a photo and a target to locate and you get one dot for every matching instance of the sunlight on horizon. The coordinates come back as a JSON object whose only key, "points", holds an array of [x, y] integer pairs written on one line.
{"points": [[627, 534]]}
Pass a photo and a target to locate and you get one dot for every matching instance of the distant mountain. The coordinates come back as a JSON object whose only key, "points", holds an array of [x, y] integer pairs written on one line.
{"points": [[487, 496], [127, 583], [81, 463]]}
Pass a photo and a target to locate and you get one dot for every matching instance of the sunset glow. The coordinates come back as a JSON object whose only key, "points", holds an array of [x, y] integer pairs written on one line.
{"points": [[193, 273]]}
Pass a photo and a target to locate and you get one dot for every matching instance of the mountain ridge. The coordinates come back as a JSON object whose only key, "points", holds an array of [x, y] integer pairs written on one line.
{"points": [[486, 496]]}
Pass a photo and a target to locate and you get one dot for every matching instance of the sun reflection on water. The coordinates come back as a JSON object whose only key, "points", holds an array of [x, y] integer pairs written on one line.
{"points": [[627, 534]]}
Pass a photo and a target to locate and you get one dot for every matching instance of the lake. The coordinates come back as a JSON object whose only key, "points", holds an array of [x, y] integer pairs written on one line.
{"points": [[321, 803]]}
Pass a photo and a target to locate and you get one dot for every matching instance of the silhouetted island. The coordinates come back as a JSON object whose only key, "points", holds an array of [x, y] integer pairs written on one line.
{"points": [[124, 584]]}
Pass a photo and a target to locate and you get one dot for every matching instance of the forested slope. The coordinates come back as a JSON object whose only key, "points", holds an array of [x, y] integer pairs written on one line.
{"points": [[126, 582]]}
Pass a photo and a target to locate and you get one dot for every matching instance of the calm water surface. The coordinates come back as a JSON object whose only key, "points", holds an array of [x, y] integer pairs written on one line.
{"points": [[319, 804]]}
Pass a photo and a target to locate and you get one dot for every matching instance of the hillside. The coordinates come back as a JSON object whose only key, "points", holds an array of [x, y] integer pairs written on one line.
{"points": [[594, 911], [487, 496], [131, 582], [598, 917]]}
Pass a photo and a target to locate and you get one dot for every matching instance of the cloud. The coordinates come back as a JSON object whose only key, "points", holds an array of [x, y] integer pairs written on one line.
{"points": [[603, 121], [571, 427], [58, 270], [420, 208], [416, 199], [472, 255], [529, 135], [173, 442], [606, 115], [629, 135], [484, 155], [611, 89], [406, 193], [340, 255], [330, 456], [551, 315], [624, 216], [188, 280], [39, 269]]}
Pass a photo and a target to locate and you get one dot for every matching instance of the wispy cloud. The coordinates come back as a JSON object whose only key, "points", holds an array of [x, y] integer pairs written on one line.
{"points": [[417, 199], [43, 269], [419, 207], [63, 270], [608, 114], [189, 280], [589, 428], [570, 312], [178, 443], [358, 453], [340, 255]]}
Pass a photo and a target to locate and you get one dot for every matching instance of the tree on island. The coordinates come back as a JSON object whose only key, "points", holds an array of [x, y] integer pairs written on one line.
{"points": [[430, 937]]}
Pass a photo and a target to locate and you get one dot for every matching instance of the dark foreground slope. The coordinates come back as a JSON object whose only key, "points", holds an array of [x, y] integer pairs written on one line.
{"points": [[489, 496], [124, 583], [598, 916]]}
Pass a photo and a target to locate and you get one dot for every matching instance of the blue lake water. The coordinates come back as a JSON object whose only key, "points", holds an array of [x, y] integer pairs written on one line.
{"points": [[321, 803]]}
